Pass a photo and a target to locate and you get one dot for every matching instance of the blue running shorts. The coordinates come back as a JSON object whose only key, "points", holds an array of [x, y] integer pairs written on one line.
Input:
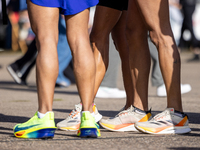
{"points": [[67, 7]]}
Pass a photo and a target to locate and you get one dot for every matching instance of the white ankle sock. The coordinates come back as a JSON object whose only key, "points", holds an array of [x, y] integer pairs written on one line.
{"points": [[41, 115]]}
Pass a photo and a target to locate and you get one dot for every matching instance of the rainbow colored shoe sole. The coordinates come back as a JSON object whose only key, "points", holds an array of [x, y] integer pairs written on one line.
{"points": [[36, 127]]}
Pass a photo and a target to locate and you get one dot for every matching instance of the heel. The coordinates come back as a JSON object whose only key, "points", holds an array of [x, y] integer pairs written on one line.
{"points": [[88, 132]]}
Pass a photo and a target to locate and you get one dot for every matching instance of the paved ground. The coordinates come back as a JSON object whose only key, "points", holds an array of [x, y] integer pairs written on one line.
{"points": [[19, 103]]}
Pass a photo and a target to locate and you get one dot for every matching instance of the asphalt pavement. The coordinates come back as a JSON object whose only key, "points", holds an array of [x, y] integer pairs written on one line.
{"points": [[19, 103]]}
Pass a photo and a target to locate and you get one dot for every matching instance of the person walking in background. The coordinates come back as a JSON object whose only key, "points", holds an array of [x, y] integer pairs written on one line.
{"points": [[188, 8]]}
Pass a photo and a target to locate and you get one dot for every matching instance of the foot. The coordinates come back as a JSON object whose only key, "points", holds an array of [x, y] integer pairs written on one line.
{"points": [[161, 90], [36, 127], [88, 126], [167, 122], [125, 120], [106, 92], [16, 74], [72, 122]]}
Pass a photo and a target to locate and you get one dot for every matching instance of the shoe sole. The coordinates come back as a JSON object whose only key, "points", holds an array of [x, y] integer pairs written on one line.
{"points": [[71, 128], [14, 75], [88, 133], [169, 130], [76, 128], [123, 129], [44, 133]]}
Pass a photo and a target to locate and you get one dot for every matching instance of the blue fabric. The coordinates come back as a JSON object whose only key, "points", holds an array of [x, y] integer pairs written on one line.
{"points": [[64, 53], [22, 5], [67, 7]]}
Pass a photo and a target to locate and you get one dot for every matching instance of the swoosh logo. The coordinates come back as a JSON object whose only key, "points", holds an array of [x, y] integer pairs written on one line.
{"points": [[24, 128]]}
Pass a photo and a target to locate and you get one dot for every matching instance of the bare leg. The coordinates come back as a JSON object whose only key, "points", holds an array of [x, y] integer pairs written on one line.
{"points": [[156, 16], [44, 21], [84, 63], [119, 37], [104, 21], [139, 56]]}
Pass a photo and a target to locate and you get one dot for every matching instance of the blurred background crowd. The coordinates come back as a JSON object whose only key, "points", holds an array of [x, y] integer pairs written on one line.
{"points": [[18, 36]]}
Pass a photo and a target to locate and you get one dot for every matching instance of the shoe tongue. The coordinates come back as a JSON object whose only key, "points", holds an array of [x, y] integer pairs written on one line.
{"points": [[130, 108], [78, 107]]}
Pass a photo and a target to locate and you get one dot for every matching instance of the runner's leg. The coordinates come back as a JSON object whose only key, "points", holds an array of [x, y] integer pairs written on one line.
{"points": [[139, 56], [119, 37], [156, 15], [104, 20], [83, 58], [44, 22]]}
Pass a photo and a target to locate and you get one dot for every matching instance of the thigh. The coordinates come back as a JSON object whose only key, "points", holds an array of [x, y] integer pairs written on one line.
{"points": [[77, 27], [44, 20], [104, 20], [135, 22]]}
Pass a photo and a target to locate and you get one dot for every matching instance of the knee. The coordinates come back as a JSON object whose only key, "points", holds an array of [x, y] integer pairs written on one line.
{"points": [[47, 39], [43, 40], [161, 40]]}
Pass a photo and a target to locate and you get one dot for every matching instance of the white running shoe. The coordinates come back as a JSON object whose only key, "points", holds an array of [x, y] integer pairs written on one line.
{"points": [[106, 92], [125, 120], [167, 122], [161, 90], [72, 122]]}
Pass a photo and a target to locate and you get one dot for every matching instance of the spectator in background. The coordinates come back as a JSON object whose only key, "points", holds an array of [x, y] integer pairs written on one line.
{"points": [[188, 8]]}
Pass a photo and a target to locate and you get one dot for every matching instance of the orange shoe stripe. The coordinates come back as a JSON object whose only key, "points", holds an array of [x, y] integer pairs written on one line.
{"points": [[117, 127], [93, 108], [182, 122], [145, 118], [20, 133], [154, 130]]}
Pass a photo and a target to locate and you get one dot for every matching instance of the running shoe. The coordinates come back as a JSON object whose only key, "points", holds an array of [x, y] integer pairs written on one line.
{"points": [[125, 120], [106, 92], [167, 122], [88, 126], [72, 122], [185, 88], [16, 74], [36, 127]]}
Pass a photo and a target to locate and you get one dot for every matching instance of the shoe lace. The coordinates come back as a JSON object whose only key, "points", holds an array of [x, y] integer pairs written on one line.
{"points": [[75, 111]]}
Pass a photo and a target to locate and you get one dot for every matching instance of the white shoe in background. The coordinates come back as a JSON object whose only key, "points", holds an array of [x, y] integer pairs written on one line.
{"points": [[106, 92], [161, 90]]}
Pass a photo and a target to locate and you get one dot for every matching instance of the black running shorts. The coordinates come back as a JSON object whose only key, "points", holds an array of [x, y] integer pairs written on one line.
{"points": [[115, 4]]}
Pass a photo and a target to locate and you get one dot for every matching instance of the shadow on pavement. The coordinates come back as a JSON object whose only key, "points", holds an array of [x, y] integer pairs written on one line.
{"points": [[184, 148], [7, 85]]}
